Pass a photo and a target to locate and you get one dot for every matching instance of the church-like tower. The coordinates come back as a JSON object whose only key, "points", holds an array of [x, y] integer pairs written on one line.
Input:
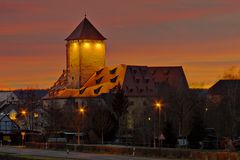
{"points": [[85, 53]]}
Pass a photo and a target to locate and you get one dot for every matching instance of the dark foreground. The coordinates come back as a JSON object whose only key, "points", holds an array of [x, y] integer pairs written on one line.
{"points": [[21, 153]]}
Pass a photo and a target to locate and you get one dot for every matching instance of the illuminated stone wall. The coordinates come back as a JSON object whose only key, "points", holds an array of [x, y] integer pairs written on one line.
{"points": [[84, 57]]}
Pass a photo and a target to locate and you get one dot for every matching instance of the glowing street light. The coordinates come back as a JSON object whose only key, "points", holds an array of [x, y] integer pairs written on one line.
{"points": [[24, 113], [158, 106], [81, 111]]}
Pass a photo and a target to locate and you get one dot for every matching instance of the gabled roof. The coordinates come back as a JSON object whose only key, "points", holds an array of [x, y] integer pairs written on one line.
{"points": [[134, 80], [7, 95], [85, 30], [174, 76], [223, 87]]}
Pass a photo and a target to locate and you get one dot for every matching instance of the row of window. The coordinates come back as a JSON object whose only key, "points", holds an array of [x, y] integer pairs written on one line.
{"points": [[113, 80], [113, 71], [138, 89]]}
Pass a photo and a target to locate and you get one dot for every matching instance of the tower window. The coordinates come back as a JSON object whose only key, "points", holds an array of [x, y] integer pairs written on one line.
{"points": [[72, 78]]}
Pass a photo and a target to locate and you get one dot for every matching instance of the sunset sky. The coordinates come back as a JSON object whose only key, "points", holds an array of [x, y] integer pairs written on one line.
{"points": [[203, 36]]}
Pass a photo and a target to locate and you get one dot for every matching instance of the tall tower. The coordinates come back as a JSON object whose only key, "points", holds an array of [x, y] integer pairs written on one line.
{"points": [[85, 51]]}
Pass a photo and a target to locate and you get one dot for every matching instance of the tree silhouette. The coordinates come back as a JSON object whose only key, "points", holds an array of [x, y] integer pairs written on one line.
{"points": [[120, 107], [198, 131], [120, 103]]}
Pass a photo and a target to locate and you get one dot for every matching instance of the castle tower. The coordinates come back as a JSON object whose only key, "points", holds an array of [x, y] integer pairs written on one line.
{"points": [[85, 52]]}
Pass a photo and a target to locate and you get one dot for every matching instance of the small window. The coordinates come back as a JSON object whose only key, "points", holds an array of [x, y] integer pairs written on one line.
{"points": [[99, 80], [141, 90], [137, 80], [113, 80], [113, 71], [99, 71], [82, 90], [96, 91], [72, 78], [146, 80], [131, 90]]}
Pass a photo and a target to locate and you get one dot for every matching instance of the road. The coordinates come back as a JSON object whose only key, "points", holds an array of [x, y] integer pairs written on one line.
{"points": [[72, 155]]}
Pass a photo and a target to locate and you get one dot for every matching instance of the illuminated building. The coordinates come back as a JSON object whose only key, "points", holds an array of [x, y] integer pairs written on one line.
{"points": [[87, 76]]}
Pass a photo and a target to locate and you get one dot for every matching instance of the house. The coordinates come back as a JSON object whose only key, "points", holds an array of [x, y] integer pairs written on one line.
{"points": [[9, 130], [7, 98], [223, 111]]}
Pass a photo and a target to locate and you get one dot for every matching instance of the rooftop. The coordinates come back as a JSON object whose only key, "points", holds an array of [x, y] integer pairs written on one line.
{"points": [[85, 30]]}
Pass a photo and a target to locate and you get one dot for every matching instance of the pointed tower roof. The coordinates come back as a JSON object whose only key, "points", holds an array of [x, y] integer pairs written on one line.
{"points": [[85, 30]]}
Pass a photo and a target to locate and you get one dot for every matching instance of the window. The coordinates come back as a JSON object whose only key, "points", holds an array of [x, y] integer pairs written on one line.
{"points": [[113, 71], [96, 91], [137, 80], [113, 80], [99, 80], [82, 90], [99, 71]]}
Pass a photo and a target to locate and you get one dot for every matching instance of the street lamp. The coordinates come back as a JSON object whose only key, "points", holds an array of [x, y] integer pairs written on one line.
{"points": [[158, 106], [81, 111], [24, 113]]}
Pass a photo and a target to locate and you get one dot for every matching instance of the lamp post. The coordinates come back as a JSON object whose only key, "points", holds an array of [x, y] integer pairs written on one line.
{"points": [[158, 106], [24, 113], [81, 112]]}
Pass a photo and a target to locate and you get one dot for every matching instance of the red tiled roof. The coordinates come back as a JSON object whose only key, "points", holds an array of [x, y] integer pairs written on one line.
{"points": [[85, 30]]}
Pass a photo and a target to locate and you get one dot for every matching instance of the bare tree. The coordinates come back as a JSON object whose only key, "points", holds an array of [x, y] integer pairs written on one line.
{"points": [[103, 122], [120, 107], [223, 102], [54, 116], [232, 73]]}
